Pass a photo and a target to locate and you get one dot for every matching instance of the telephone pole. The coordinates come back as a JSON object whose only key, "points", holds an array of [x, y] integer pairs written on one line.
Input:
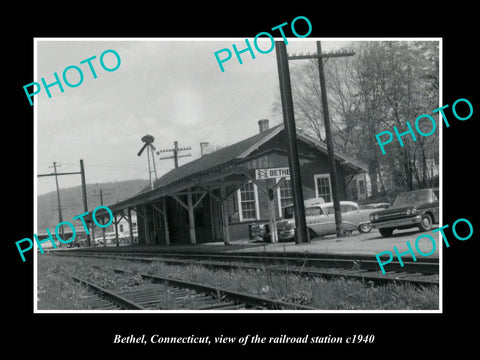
{"points": [[328, 134], [175, 151], [84, 191], [60, 218], [101, 203], [290, 132]]}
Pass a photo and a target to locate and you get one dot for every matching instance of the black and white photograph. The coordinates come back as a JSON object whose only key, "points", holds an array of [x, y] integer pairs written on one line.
{"points": [[227, 182], [192, 177]]}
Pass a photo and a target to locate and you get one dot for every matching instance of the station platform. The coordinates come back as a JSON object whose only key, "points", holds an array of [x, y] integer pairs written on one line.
{"points": [[368, 244]]}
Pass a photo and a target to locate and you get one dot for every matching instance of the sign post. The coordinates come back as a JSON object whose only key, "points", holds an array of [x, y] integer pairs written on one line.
{"points": [[271, 175]]}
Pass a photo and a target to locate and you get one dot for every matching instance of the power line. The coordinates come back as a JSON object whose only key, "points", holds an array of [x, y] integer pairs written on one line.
{"points": [[330, 148], [110, 166], [84, 190]]}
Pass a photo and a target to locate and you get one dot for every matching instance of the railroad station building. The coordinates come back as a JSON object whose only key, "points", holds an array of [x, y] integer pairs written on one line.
{"points": [[217, 197]]}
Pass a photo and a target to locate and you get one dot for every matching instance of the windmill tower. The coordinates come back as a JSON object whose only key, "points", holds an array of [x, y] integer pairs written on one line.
{"points": [[148, 140]]}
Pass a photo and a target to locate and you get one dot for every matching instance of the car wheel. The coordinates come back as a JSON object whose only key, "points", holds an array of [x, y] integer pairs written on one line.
{"points": [[365, 228], [426, 222], [386, 232], [311, 233]]}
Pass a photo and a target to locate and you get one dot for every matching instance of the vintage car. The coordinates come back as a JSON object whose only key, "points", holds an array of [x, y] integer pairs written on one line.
{"points": [[375, 206], [418, 208], [320, 219]]}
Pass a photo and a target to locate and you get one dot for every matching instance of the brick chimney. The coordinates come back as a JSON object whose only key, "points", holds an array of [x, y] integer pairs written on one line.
{"points": [[263, 125], [203, 148]]}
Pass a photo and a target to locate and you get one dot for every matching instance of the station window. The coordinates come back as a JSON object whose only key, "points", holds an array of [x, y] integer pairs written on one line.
{"points": [[121, 227], [323, 187], [248, 202], [285, 196]]}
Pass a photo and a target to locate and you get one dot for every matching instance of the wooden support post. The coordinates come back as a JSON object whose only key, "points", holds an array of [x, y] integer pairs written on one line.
{"points": [[155, 225], [130, 227], [191, 217], [116, 228], [272, 212], [103, 232], [223, 205], [255, 181], [163, 211], [199, 200], [165, 221], [145, 223], [212, 206], [93, 234]]}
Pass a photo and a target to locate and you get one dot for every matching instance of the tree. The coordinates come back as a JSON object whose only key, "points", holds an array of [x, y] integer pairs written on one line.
{"points": [[386, 84]]}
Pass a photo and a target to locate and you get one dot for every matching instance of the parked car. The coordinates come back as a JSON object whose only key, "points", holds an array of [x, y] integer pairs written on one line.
{"points": [[418, 208], [320, 219], [375, 206]]}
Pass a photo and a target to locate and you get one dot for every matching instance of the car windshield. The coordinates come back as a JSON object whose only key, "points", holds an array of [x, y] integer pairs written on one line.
{"points": [[413, 198]]}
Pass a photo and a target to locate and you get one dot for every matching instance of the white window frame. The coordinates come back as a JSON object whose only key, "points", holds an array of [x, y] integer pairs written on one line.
{"points": [[317, 176], [239, 202], [279, 200]]}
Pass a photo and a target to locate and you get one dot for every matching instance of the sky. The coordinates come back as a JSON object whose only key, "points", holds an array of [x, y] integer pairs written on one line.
{"points": [[172, 89]]}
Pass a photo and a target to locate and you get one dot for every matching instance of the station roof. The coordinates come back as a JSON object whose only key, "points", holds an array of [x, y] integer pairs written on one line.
{"points": [[225, 158]]}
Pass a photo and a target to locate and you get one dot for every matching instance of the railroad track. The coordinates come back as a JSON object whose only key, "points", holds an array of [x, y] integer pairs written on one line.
{"points": [[362, 268], [178, 295]]}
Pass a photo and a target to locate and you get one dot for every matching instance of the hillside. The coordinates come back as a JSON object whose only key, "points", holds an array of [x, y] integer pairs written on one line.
{"points": [[72, 202]]}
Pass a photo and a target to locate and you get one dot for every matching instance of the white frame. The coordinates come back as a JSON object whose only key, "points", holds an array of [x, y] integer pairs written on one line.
{"points": [[279, 200], [440, 171], [317, 176], [239, 201]]}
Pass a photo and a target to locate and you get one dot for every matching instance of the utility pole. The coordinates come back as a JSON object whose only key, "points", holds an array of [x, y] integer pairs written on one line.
{"points": [[290, 131], [84, 195], [60, 218], [328, 134], [101, 203], [84, 191], [175, 151]]}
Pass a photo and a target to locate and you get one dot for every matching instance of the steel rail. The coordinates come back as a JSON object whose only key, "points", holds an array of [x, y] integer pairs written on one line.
{"points": [[215, 292], [252, 254], [428, 266], [248, 299], [110, 296], [348, 269]]}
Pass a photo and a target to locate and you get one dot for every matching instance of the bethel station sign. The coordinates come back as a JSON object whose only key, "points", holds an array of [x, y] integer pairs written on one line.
{"points": [[273, 173]]}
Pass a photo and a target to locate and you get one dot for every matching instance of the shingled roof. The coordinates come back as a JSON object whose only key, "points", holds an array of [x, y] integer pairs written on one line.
{"points": [[223, 158], [217, 158]]}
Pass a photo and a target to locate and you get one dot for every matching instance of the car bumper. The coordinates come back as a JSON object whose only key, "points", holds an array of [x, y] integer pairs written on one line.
{"points": [[286, 234], [412, 221]]}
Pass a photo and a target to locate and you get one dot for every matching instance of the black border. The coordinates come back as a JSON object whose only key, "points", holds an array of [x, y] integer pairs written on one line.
{"points": [[394, 333]]}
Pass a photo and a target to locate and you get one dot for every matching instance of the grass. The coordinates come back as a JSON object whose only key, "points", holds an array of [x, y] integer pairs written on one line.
{"points": [[57, 291]]}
